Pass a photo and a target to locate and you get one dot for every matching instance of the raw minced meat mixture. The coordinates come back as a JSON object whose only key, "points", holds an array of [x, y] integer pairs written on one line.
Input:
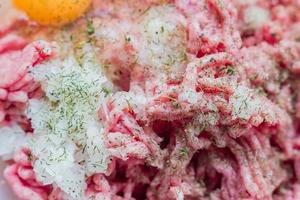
{"points": [[184, 99]]}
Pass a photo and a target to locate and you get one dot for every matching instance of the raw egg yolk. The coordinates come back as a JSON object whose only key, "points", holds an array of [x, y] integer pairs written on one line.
{"points": [[53, 12]]}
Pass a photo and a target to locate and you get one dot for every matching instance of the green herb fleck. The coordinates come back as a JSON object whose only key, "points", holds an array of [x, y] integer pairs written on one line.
{"points": [[183, 57], [260, 91], [170, 61], [230, 70], [30, 157], [202, 128], [106, 66], [129, 105], [184, 151], [127, 39], [146, 10], [79, 45], [90, 27], [106, 91], [212, 60]]}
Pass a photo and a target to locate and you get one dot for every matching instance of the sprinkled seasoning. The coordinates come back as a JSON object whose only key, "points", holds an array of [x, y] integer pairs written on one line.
{"points": [[65, 119]]}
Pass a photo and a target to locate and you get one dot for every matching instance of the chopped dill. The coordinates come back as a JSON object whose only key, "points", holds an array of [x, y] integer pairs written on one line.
{"points": [[170, 61], [90, 27], [162, 29], [127, 39], [183, 57], [146, 10], [184, 151], [71, 37], [106, 91], [30, 157], [230, 70], [212, 60]]}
